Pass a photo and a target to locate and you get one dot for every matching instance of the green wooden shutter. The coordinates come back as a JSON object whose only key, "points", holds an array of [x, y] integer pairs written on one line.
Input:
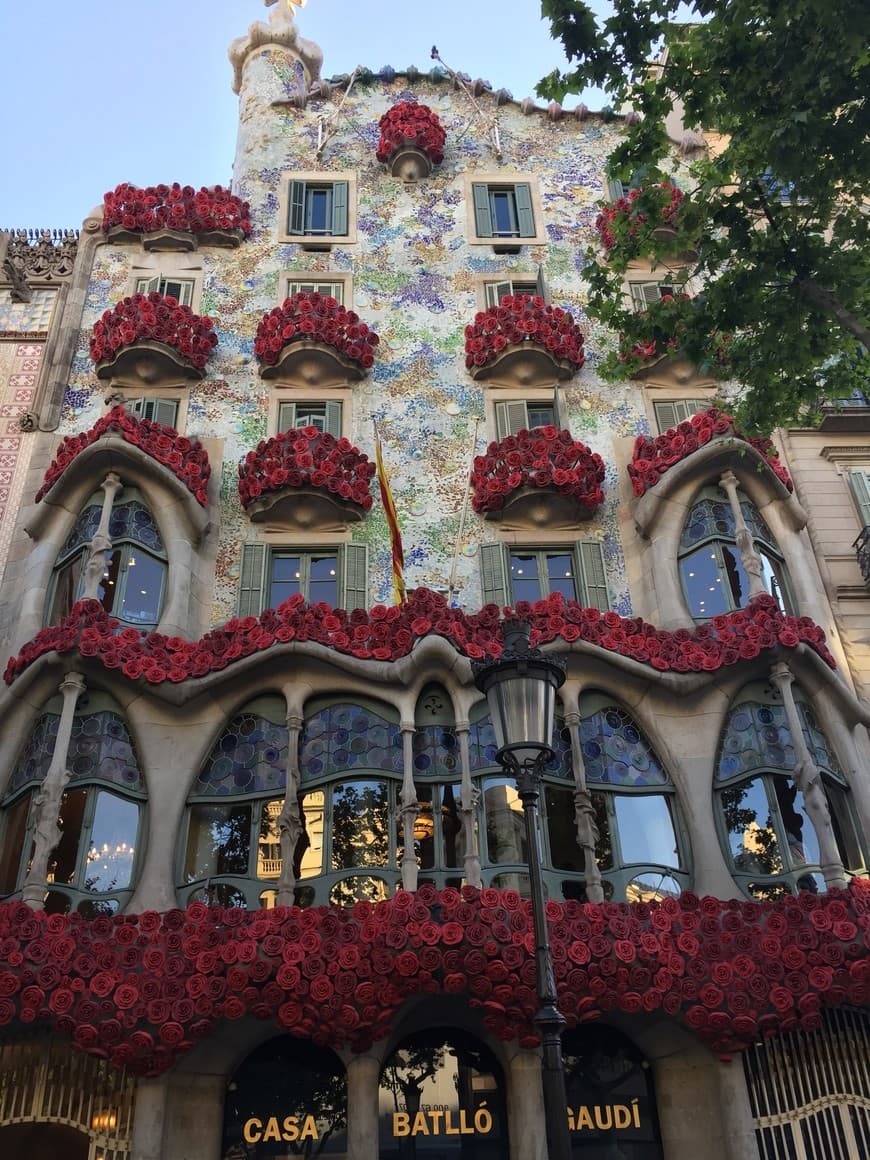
{"points": [[541, 285], [615, 189], [493, 575], [339, 208], [296, 222], [135, 407], [510, 418], [667, 415], [333, 418], [644, 294], [860, 483], [354, 577], [286, 416], [592, 575], [482, 212], [252, 581], [525, 217], [163, 411], [495, 291]]}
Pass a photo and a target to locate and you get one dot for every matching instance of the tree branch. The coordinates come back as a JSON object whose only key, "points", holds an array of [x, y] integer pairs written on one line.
{"points": [[826, 301]]}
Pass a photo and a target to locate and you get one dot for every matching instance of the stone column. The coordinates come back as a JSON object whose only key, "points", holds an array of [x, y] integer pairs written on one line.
{"points": [[149, 1116], [749, 557], [195, 1117], [584, 813], [736, 1110], [290, 823], [101, 542], [690, 1107], [363, 1073], [808, 779], [527, 1124], [410, 810], [50, 795], [469, 796]]}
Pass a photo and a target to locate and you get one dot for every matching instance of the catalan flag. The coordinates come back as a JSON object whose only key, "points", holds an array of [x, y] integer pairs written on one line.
{"points": [[393, 522]]}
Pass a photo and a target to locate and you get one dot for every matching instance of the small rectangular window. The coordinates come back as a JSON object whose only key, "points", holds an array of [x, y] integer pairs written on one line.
{"points": [[308, 286], [644, 294], [525, 415], [503, 211], [318, 209], [163, 411], [509, 574], [324, 416], [496, 290], [336, 576], [674, 411], [167, 284]]}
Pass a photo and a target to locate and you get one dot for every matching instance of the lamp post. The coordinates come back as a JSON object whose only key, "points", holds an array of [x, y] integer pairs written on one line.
{"points": [[520, 689]]}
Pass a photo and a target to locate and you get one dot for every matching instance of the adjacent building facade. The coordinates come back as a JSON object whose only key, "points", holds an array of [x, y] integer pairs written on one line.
{"points": [[265, 881]]}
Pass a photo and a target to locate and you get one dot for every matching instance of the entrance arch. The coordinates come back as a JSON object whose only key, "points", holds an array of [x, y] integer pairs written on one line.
{"points": [[44, 1142], [442, 1097]]}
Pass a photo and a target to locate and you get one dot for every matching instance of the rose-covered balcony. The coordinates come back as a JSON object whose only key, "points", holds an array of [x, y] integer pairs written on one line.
{"points": [[411, 142], [305, 479], [653, 456], [175, 217], [540, 478], [648, 220], [149, 337], [313, 341], [523, 342]]}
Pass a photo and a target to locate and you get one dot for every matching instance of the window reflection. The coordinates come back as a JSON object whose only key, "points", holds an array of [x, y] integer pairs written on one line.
{"points": [[505, 826], [218, 841], [646, 829], [360, 824], [269, 861], [113, 839], [358, 889], [437, 829]]}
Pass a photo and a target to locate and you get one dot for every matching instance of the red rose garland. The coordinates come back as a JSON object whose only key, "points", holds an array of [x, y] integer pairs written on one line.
{"points": [[175, 207], [654, 455], [315, 318], [408, 123], [545, 457], [386, 633], [154, 318], [523, 318], [655, 206], [307, 457], [141, 990], [186, 458]]}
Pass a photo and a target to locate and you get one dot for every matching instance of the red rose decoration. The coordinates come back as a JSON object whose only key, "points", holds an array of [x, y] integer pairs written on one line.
{"points": [[318, 318], [157, 207], [408, 123], [307, 457], [556, 461], [522, 318], [158, 318]]}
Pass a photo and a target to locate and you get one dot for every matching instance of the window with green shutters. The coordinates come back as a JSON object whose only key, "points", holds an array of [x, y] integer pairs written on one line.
{"points": [[503, 211], [674, 411], [270, 575], [163, 411], [496, 290], [315, 286], [324, 416], [524, 415], [179, 288], [318, 209], [510, 573], [644, 294], [859, 481]]}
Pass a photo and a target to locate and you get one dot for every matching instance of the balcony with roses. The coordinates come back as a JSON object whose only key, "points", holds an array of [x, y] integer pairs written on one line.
{"points": [[306, 479], [535, 479], [650, 220], [312, 341], [411, 142], [149, 338], [175, 217], [523, 342], [668, 341]]}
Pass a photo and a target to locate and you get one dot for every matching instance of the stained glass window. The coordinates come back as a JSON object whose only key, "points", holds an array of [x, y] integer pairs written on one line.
{"points": [[757, 737], [249, 757], [346, 737], [615, 752]]}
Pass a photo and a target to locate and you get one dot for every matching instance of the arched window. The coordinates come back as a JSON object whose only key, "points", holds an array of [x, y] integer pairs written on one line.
{"points": [[134, 576], [769, 838], [438, 837], [714, 579], [92, 869], [232, 849], [641, 850], [351, 765]]}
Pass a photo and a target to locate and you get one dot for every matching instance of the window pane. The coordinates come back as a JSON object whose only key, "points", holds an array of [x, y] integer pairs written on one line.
{"points": [[108, 587], [845, 829], [565, 853], [703, 584], [504, 218], [646, 829], [351, 890], [286, 579], [541, 414], [424, 827], [560, 574], [525, 584], [803, 846], [143, 588], [518, 882], [604, 842], [323, 585], [505, 826], [66, 588], [318, 204], [752, 840], [360, 824], [218, 841], [269, 843], [309, 853], [113, 841], [311, 415], [13, 843], [735, 575], [62, 864], [771, 574], [652, 887], [452, 845]]}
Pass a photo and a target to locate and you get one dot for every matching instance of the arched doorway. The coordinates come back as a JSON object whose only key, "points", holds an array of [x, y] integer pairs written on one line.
{"points": [[442, 1098], [611, 1103], [288, 1098], [45, 1142]]}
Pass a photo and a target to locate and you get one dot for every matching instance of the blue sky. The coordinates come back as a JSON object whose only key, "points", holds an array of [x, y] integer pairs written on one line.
{"points": [[95, 92]]}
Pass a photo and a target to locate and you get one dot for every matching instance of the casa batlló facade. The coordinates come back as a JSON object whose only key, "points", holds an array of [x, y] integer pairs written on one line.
{"points": [[265, 885]]}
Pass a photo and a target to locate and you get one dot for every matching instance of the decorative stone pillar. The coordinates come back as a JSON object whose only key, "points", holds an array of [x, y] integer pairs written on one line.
{"points": [[584, 813], [363, 1073], [808, 779], [469, 797], [101, 542], [48, 800], [290, 824], [149, 1117], [749, 557], [410, 810], [527, 1123]]}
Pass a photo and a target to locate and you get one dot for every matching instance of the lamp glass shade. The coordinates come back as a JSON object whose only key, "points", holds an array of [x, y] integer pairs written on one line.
{"points": [[523, 708]]}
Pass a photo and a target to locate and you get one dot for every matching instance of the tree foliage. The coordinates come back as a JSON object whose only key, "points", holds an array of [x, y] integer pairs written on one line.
{"points": [[776, 205]]}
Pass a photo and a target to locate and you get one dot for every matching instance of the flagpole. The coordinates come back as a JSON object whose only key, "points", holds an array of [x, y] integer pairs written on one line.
{"points": [[396, 549]]}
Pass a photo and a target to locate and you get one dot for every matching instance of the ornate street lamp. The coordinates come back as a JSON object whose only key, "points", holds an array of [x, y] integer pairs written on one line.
{"points": [[520, 689]]}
